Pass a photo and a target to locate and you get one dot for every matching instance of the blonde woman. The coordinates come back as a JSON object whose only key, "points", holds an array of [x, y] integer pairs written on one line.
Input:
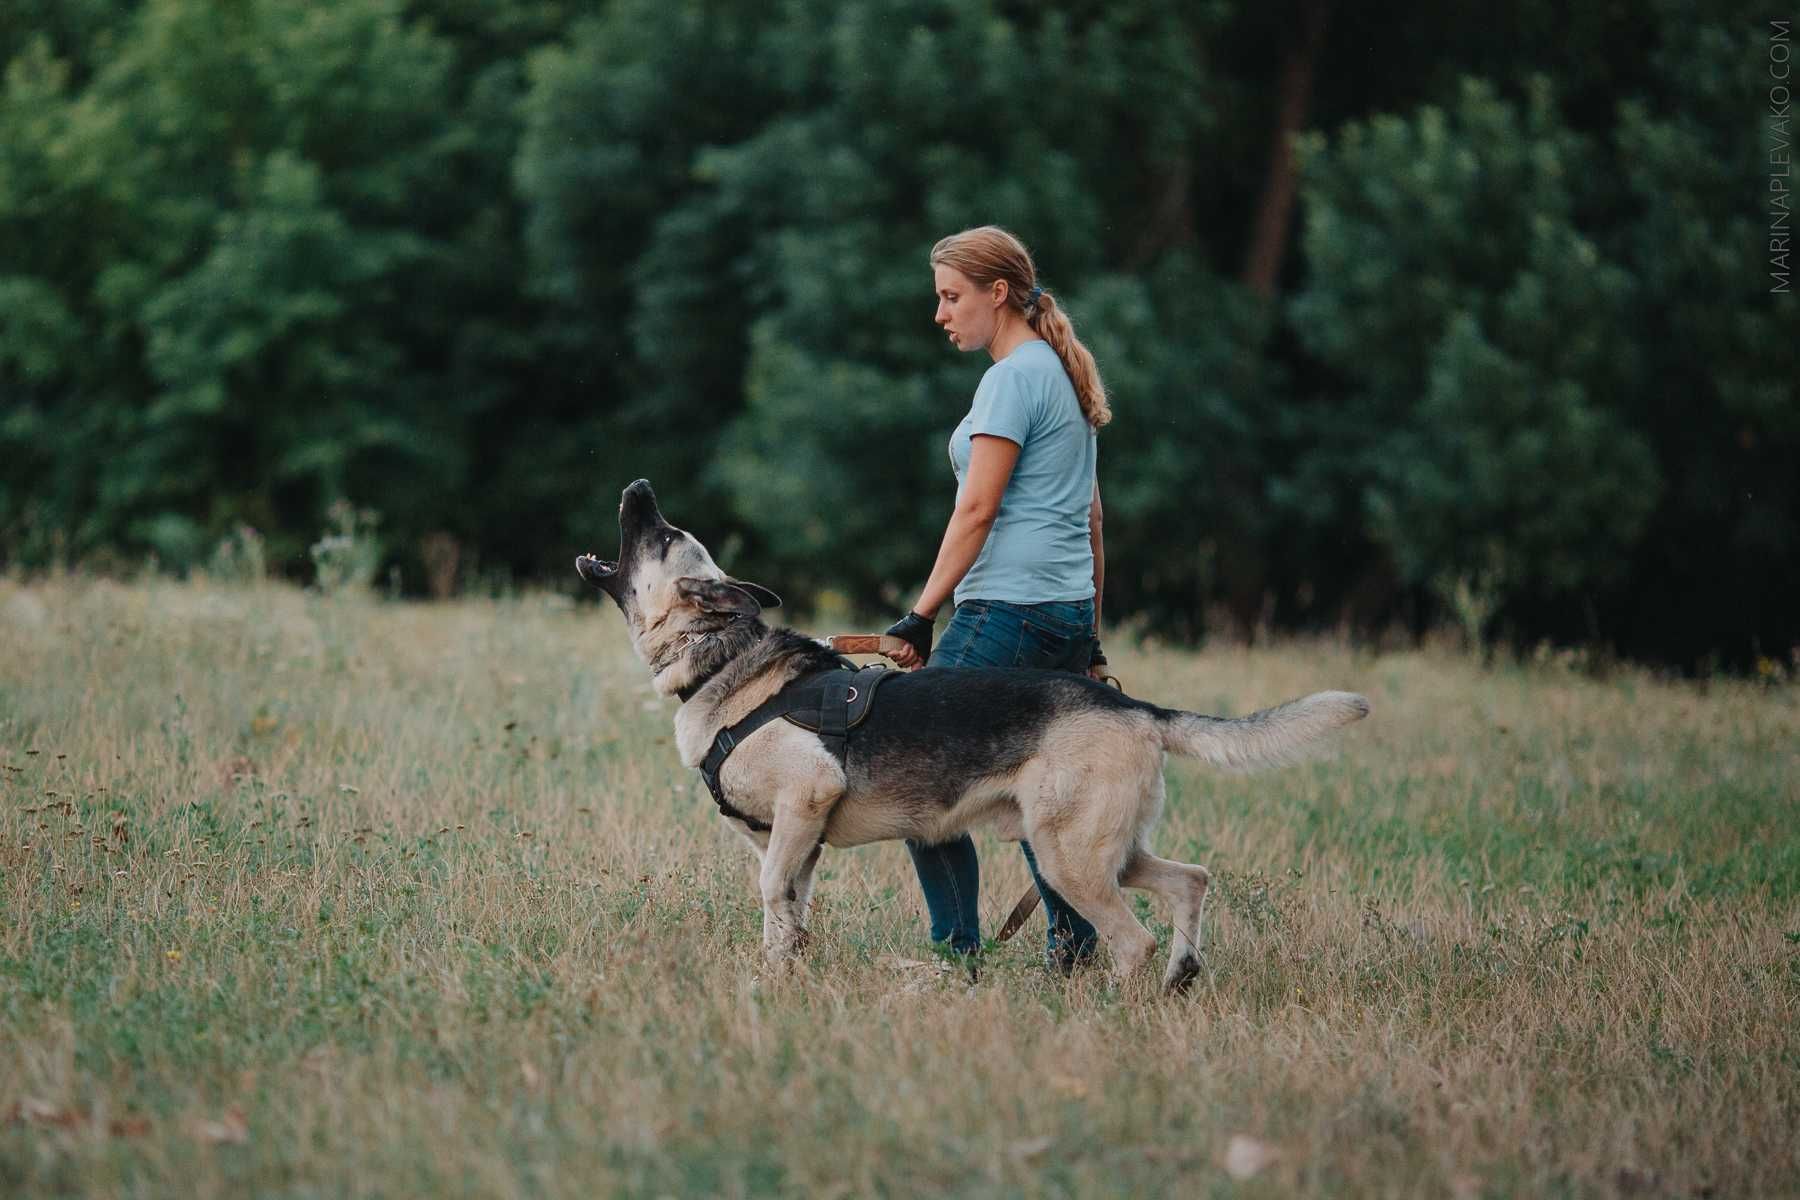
{"points": [[1022, 558]]}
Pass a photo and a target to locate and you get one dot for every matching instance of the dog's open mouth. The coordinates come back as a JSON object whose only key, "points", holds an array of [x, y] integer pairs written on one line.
{"points": [[594, 568]]}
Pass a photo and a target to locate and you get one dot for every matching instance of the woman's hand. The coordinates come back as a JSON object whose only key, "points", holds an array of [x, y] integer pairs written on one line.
{"points": [[1097, 663], [915, 631]]}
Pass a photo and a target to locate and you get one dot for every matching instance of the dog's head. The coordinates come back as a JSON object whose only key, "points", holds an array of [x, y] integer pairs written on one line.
{"points": [[665, 582]]}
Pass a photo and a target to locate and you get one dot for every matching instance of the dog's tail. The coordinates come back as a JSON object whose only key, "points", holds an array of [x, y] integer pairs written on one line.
{"points": [[1272, 737]]}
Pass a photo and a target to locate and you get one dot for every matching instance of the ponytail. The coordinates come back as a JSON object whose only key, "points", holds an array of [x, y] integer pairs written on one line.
{"points": [[990, 253], [1052, 324]]}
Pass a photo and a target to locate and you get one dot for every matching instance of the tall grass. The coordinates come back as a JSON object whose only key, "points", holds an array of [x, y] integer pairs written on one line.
{"points": [[308, 895]]}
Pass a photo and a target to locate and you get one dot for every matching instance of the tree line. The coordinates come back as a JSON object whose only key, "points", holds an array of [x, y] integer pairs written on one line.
{"points": [[1495, 343]]}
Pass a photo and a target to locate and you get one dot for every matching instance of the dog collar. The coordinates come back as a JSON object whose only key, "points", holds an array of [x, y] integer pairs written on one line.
{"points": [[687, 690]]}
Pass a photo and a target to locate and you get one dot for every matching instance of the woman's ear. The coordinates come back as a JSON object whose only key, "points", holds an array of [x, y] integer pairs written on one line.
{"points": [[1000, 292]]}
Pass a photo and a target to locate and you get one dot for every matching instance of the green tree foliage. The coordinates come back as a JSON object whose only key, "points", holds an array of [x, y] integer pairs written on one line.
{"points": [[1485, 334], [1568, 376], [265, 231], [646, 326], [781, 236], [1718, 567], [476, 265]]}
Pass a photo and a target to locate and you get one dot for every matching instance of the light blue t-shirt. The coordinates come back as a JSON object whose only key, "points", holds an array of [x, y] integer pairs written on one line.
{"points": [[1038, 549]]}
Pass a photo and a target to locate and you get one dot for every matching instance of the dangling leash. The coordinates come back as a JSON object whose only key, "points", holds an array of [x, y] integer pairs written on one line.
{"points": [[1021, 911], [887, 645]]}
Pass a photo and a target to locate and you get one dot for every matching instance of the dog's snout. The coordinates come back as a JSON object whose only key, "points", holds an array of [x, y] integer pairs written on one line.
{"points": [[638, 513], [638, 500]]}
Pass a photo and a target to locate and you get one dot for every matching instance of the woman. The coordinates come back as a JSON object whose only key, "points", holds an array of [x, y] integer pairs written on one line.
{"points": [[1022, 557]]}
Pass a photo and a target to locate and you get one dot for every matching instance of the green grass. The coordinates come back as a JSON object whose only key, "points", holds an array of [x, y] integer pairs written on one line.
{"points": [[305, 895]]}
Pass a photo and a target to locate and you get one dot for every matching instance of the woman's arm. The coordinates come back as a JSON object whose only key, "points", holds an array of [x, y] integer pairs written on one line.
{"points": [[1094, 521], [1097, 670], [991, 462]]}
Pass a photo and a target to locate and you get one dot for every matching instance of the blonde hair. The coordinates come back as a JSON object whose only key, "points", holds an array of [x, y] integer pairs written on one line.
{"points": [[988, 253]]}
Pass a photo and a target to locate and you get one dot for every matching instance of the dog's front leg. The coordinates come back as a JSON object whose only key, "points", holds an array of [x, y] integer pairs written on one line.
{"points": [[803, 887], [787, 866], [758, 842]]}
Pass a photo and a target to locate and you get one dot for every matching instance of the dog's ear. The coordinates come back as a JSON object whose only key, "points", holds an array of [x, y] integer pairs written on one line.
{"points": [[763, 595], [719, 596]]}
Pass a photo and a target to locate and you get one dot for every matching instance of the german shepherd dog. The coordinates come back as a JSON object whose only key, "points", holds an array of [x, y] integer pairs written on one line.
{"points": [[1059, 759]]}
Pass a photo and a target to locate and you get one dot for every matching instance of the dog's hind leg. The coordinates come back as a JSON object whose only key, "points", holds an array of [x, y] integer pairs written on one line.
{"points": [[1088, 883], [1185, 886]]}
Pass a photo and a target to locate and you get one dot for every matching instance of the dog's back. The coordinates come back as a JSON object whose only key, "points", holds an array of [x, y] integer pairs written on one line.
{"points": [[932, 734]]}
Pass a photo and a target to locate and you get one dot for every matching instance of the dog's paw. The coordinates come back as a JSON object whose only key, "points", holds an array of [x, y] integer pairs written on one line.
{"points": [[1181, 975], [785, 946]]}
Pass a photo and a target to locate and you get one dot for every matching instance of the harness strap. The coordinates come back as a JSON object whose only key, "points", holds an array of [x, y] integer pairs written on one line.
{"points": [[722, 746], [828, 693], [834, 712]]}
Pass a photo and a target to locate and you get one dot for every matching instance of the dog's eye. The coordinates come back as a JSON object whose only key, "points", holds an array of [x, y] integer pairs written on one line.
{"points": [[668, 539]]}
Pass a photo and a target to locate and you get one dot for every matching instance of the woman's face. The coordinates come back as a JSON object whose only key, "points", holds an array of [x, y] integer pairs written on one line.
{"points": [[967, 313]]}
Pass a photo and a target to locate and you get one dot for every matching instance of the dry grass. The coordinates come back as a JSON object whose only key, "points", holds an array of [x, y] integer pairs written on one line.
{"points": [[324, 896]]}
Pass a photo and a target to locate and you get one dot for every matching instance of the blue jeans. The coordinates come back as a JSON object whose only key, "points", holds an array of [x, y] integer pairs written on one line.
{"points": [[1054, 636]]}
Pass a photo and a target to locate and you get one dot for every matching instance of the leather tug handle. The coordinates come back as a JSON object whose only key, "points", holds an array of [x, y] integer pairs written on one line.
{"points": [[865, 643]]}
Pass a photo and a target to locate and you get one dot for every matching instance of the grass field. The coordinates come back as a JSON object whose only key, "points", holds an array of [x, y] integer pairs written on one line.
{"points": [[319, 896]]}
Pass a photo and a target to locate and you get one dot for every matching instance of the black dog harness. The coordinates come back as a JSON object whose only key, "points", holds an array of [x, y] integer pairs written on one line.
{"points": [[828, 703]]}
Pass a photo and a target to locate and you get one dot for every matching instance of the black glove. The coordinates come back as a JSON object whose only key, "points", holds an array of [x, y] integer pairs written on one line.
{"points": [[915, 631], [1098, 659]]}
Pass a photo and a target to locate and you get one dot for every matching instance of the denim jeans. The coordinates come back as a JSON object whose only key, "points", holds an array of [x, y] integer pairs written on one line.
{"points": [[994, 633]]}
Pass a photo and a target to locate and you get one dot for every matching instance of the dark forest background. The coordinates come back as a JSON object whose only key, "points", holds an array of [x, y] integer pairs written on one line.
{"points": [[1494, 346]]}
